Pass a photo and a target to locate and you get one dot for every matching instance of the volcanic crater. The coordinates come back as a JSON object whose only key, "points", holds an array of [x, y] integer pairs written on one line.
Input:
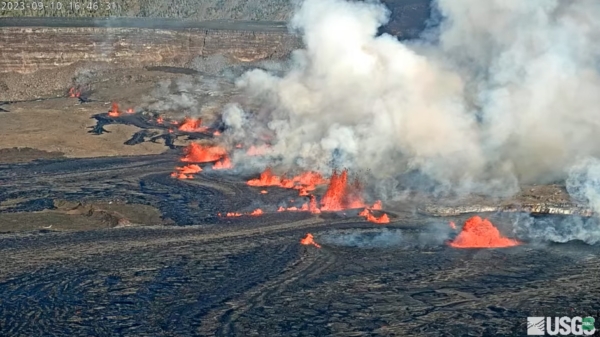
{"points": [[116, 219]]}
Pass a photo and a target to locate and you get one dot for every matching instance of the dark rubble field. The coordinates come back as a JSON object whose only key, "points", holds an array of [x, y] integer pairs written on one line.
{"points": [[250, 276]]}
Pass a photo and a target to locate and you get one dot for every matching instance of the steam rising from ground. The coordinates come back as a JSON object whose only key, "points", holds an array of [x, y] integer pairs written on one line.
{"points": [[557, 229], [504, 93], [433, 235]]}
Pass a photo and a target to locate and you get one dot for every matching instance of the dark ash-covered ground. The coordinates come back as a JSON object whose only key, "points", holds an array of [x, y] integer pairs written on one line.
{"points": [[250, 276]]}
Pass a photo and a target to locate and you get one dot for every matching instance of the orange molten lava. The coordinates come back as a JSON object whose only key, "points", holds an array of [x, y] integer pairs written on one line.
{"points": [[74, 93], [233, 214], [339, 195], [216, 133], [309, 240], [304, 182], [372, 218], [452, 225], [257, 211], [312, 205], [263, 192], [192, 125], [481, 233], [267, 178], [160, 120], [185, 172], [197, 153], [130, 111], [114, 111], [181, 176]]}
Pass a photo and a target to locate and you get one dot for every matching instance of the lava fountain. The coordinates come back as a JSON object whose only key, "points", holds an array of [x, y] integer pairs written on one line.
{"points": [[481, 233], [309, 240]]}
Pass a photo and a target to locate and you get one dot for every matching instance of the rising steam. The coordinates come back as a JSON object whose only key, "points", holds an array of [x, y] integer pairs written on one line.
{"points": [[502, 92]]}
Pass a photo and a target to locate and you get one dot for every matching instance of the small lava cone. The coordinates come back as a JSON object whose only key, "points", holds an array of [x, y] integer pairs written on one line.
{"points": [[481, 233]]}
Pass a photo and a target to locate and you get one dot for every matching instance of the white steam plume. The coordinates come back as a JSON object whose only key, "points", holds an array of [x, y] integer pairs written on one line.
{"points": [[432, 235], [506, 94], [583, 183], [557, 229]]}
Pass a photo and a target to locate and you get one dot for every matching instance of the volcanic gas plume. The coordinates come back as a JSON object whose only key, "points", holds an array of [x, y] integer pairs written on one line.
{"points": [[481, 233], [185, 172], [496, 94]]}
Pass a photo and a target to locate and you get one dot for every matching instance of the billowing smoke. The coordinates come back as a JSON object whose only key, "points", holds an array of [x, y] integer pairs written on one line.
{"points": [[583, 182], [557, 229], [503, 92], [188, 96], [372, 239]]}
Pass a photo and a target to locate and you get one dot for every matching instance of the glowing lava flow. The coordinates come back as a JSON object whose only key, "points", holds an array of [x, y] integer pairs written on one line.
{"points": [[256, 212], [196, 153], [192, 125], [372, 218], [74, 93], [114, 111], [304, 182], [185, 172], [267, 178], [309, 240], [340, 195], [481, 233]]}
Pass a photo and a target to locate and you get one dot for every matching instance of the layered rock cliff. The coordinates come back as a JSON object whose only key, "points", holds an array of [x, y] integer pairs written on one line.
{"points": [[28, 49]]}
